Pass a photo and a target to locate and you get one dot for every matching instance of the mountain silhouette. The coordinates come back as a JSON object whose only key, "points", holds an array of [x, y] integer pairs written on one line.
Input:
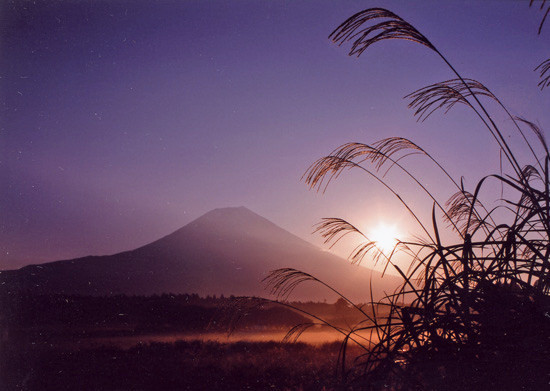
{"points": [[225, 251]]}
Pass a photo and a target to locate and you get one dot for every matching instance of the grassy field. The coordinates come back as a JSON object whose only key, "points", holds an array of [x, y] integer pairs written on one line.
{"points": [[183, 365], [163, 343]]}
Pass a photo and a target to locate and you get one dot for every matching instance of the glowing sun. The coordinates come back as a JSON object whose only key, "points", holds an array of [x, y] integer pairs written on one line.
{"points": [[385, 237]]}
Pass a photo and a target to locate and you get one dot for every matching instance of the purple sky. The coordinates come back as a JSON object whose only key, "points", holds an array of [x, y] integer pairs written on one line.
{"points": [[123, 121]]}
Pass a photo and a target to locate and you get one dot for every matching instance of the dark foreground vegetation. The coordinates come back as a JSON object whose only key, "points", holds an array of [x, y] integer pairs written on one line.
{"points": [[71, 342], [473, 311], [178, 366]]}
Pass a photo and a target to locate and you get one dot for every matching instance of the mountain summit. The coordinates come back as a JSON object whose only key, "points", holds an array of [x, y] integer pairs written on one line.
{"points": [[225, 251]]}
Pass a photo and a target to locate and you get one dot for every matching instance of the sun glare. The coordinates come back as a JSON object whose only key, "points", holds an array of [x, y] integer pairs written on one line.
{"points": [[385, 237]]}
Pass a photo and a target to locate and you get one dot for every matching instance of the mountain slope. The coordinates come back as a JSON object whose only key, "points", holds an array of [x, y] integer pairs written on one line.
{"points": [[226, 251]]}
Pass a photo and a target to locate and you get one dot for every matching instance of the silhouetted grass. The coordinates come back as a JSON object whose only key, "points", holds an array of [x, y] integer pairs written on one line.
{"points": [[544, 67], [473, 313]]}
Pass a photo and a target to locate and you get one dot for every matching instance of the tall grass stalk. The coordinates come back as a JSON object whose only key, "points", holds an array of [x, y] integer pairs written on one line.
{"points": [[473, 314]]}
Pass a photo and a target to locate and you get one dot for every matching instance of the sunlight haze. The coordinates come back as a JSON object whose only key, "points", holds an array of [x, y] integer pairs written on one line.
{"points": [[124, 121]]}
